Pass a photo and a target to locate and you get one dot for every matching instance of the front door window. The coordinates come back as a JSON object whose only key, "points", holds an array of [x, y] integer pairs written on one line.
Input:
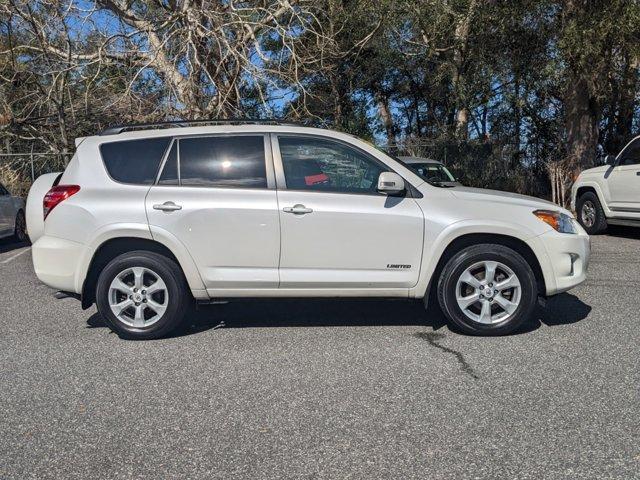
{"points": [[316, 164]]}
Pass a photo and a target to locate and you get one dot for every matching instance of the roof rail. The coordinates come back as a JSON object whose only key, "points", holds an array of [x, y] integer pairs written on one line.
{"points": [[116, 129]]}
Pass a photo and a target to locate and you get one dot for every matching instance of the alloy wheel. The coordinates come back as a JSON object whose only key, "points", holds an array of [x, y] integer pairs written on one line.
{"points": [[588, 214], [488, 292], [138, 297]]}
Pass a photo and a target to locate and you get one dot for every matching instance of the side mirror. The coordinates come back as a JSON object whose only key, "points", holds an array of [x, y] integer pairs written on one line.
{"points": [[390, 183], [610, 160]]}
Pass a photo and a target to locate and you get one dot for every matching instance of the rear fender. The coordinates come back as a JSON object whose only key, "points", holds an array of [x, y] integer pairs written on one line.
{"points": [[135, 230]]}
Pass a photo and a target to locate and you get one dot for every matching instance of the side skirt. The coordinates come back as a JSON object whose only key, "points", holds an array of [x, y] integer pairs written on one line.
{"points": [[308, 292]]}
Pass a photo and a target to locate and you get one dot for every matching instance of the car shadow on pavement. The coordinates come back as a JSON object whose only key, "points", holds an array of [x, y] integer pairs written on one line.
{"points": [[8, 244], [625, 232], [563, 309], [316, 313], [261, 313]]}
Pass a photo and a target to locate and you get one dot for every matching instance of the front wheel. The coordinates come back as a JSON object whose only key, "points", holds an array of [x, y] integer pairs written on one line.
{"points": [[590, 213], [142, 295], [487, 289]]}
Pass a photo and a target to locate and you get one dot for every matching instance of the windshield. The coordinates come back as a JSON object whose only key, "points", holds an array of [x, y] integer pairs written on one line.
{"points": [[432, 172]]}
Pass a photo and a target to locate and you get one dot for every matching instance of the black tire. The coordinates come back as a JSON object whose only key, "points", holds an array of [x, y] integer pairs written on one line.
{"points": [[176, 288], [20, 228], [599, 223], [468, 257]]}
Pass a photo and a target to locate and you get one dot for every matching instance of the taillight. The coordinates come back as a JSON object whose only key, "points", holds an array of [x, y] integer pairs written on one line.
{"points": [[56, 195]]}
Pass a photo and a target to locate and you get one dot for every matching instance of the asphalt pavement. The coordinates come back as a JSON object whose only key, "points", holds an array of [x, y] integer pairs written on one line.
{"points": [[362, 389]]}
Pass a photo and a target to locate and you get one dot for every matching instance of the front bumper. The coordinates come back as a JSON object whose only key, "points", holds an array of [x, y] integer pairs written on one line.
{"points": [[56, 260], [564, 259]]}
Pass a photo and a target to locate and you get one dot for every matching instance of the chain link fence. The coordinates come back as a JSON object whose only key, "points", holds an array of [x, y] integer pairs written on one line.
{"points": [[19, 170]]}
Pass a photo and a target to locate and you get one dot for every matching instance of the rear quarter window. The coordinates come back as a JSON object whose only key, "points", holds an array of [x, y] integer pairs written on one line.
{"points": [[134, 161]]}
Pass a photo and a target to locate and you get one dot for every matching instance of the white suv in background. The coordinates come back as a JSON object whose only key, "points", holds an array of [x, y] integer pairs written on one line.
{"points": [[609, 194], [144, 221]]}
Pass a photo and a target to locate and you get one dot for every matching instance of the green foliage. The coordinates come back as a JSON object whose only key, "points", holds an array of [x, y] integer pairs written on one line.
{"points": [[501, 89]]}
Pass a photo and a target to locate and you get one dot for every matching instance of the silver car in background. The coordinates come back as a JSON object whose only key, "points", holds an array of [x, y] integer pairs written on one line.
{"points": [[430, 170], [12, 219]]}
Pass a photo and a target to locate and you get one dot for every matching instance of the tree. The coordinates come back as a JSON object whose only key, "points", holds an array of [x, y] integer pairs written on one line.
{"points": [[598, 42], [512, 95]]}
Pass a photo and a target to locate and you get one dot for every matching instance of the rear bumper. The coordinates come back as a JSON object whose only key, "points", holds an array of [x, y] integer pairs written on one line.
{"points": [[56, 261], [564, 259]]}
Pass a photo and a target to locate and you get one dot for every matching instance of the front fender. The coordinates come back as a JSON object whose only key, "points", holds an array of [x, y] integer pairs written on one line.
{"points": [[18, 204], [599, 192], [435, 247]]}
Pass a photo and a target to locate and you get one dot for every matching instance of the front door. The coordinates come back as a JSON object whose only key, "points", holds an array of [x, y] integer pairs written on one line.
{"points": [[624, 181], [216, 194], [337, 231]]}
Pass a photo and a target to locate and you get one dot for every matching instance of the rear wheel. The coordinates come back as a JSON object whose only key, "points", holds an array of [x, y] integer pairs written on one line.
{"points": [[590, 213], [142, 295], [487, 289], [20, 230]]}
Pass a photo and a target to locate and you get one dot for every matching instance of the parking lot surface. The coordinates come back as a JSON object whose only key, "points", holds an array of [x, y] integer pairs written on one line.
{"points": [[324, 389]]}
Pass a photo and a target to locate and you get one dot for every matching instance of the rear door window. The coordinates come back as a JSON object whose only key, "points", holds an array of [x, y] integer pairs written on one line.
{"points": [[134, 161], [170, 171], [233, 161]]}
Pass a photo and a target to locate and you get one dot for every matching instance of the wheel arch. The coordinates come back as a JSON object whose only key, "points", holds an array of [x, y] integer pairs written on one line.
{"points": [[469, 239], [584, 189], [592, 187], [110, 249]]}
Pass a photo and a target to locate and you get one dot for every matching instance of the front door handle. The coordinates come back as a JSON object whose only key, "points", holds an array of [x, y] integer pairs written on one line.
{"points": [[297, 209], [167, 207]]}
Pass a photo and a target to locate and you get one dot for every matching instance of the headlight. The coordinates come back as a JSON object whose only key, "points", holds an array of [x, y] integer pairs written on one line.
{"points": [[560, 222]]}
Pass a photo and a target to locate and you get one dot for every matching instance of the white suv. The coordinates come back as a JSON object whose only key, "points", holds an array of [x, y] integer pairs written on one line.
{"points": [[609, 194], [144, 221]]}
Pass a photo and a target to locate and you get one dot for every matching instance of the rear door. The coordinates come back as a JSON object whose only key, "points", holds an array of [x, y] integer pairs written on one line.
{"points": [[338, 232], [216, 194], [7, 213], [624, 181]]}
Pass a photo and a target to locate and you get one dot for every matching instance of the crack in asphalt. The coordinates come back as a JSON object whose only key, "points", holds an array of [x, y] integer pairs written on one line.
{"points": [[434, 337]]}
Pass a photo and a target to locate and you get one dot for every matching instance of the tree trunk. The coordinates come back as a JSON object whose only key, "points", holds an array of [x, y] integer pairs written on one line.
{"points": [[459, 56], [517, 112], [462, 123], [581, 125], [384, 111], [627, 104]]}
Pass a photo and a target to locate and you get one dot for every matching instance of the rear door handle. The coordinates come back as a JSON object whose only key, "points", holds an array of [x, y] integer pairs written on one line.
{"points": [[297, 209], [167, 207]]}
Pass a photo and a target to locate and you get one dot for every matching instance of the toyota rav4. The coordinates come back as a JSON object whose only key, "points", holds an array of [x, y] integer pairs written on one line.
{"points": [[147, 219]]}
